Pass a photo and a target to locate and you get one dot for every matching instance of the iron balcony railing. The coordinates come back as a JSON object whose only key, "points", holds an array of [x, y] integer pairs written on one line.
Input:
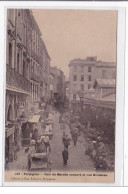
{"points": [[16, 80], [35, 77]]}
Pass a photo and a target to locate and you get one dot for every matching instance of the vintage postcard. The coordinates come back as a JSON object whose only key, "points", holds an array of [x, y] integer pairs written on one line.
{"points": [[60, 105]]}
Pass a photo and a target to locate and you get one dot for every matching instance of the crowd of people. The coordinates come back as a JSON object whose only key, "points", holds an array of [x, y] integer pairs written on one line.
{"points": [[98, 146]]}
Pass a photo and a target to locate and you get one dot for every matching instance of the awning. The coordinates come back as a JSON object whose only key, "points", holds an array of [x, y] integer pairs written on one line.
{"points": [[9, 131], [34, 119], [104, 83]]}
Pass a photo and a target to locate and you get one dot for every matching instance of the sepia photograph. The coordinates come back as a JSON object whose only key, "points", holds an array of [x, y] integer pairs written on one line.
{"points": [[60, 102]]}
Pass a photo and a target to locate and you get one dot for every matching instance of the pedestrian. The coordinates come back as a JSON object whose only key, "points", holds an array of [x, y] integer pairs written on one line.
{"points": [[35, 134], [74, 134], [47, 144], [65, 155], [66, 141], [60, 118], [63, 137]]}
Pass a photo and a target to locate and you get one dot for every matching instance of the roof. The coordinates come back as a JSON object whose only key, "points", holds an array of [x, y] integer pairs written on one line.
{"points": [[105, 64], [111, 83], [35, 25], [101, 103], [83, 62], [110, 98]]}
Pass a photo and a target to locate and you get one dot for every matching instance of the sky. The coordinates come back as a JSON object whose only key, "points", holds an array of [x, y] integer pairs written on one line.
{"points": [[70, 34]]}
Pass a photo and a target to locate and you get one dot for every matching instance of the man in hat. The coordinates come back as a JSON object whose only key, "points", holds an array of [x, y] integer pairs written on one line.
{"points": [[66, 141]]}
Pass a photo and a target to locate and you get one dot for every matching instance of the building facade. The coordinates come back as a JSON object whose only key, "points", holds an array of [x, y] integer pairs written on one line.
{"points": [[59, 89], [27, 73], [83, 73]]}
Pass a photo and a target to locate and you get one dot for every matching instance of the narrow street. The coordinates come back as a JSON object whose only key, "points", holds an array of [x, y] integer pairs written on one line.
{"points": [[77, 159]]}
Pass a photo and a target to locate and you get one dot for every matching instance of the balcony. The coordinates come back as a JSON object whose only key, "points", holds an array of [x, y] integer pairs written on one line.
{"points": [[37, 58], [16, 80], [35, 77]]}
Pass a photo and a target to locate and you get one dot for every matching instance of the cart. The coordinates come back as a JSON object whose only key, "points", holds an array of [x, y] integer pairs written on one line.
{"points": [[39, 160]]}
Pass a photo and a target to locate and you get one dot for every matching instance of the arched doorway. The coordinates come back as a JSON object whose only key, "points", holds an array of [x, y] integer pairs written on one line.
{"points": [[10, 113]]}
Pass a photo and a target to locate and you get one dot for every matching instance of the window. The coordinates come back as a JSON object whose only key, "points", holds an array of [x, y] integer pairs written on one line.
{"points": [[75, 78], [74, 96], [89, 78], [89, 69], [23, 68], [82, 87], [31, 88], [18, 62], [10, 54], [82, 77], [89, 86]]}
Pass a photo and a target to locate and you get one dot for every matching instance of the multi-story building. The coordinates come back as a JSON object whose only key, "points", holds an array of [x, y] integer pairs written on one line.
{"points": [[59, 83], [27, 72], [83, 73], [81, 76], [18, 85], [40, 67]]}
